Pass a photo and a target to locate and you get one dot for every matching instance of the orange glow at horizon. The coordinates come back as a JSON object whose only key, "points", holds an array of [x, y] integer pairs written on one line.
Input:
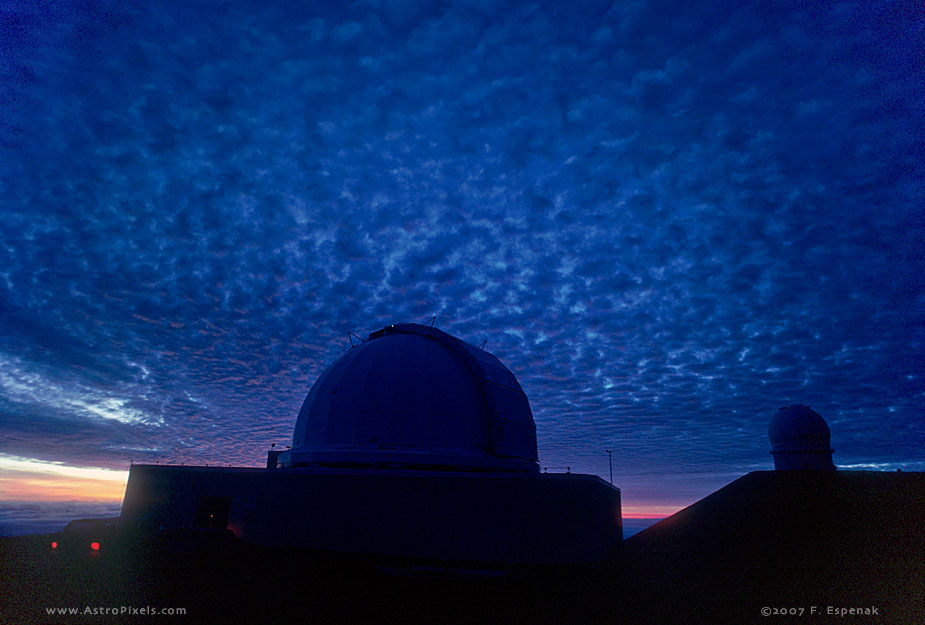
{"points": [[643, 511], [27, 479]]}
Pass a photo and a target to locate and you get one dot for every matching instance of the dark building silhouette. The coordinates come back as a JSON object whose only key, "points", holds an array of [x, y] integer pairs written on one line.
{"points": [[804, 538], [785, 539], [413, 444]]}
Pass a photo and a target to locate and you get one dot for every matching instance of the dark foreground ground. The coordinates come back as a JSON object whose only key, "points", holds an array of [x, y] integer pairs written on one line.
{"points": [[807, 546]]}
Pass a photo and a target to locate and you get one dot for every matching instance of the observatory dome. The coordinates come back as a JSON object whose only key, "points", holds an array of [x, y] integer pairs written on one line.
{"points": [[800, 440], [414, 396]]}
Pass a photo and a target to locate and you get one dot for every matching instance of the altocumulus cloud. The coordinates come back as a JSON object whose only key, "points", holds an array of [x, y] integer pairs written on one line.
{"points": [[668, 221]]}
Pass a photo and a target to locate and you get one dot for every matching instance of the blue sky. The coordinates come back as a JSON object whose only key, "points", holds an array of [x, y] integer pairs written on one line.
{"points": [[667, 220]]}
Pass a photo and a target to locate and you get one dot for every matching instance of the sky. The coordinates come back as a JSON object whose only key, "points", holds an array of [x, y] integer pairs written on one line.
{"points": [[667, 220]]}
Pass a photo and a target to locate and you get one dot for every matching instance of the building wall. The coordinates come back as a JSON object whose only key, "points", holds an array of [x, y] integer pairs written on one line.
{"points": [[448, 516]]}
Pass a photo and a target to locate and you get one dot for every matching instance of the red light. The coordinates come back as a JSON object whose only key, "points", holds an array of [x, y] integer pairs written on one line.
{"points": [[54, 545], [95, 546]]}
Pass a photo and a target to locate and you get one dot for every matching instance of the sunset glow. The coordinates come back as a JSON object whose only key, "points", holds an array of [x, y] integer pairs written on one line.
{"points": [[649, 512], [27, 479]]}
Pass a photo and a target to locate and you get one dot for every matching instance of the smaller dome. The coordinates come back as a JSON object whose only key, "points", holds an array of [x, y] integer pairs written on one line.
{"points": [[800, 440]]}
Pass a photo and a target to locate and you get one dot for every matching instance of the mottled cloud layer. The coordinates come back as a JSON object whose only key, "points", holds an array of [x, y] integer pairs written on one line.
{"points": [[668, 221]]}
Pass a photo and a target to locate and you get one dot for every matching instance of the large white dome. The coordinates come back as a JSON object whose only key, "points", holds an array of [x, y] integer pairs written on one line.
{"points": [[414, 396]]}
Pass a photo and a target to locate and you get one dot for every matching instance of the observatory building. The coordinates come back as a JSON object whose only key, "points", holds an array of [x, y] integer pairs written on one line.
{"points": [[800, 440], [412, 445]]}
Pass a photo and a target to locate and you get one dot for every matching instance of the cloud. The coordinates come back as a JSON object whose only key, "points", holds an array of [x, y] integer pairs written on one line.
{"points": [[44, 517], [667, 229], [19, 384]]}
